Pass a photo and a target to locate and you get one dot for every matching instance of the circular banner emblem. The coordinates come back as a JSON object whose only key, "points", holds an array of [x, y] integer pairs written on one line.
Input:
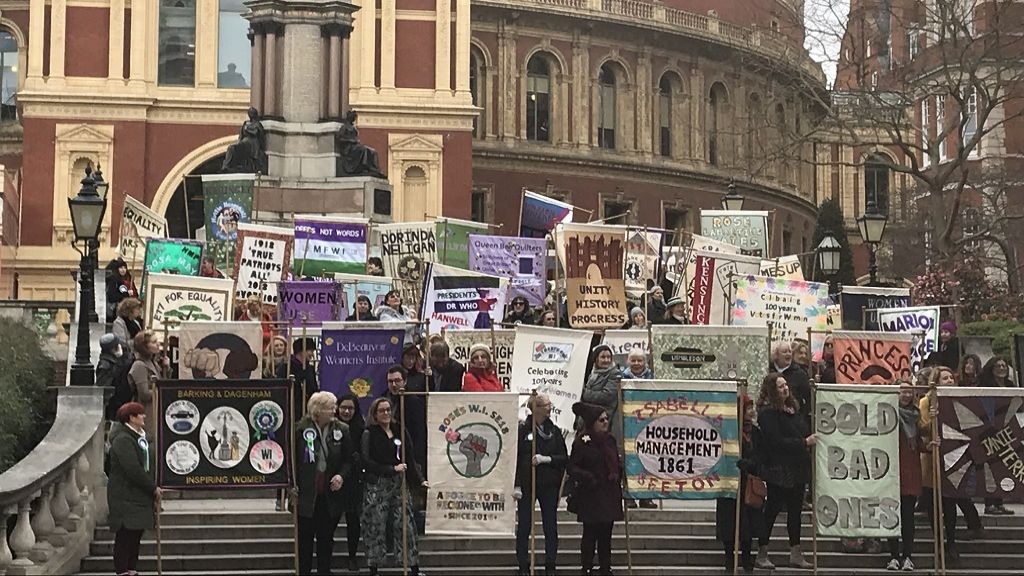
{"points": [[266, 456], [266, 417], [182, 457], [182, 417], [474, 449], [677, 447], [225, 437]]}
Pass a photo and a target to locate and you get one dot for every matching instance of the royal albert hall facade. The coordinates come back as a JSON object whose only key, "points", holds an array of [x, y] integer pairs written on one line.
{"points": [[616, 106]]}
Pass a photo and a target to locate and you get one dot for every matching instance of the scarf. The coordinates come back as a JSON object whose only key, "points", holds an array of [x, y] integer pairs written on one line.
{"points": [[546, 436], [908, 420]]}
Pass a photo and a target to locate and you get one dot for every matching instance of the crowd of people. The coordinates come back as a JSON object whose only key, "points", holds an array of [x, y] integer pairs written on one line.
{"points": [[371, 468]]}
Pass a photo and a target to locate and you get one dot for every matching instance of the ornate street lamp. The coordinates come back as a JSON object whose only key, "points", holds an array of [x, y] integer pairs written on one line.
{"points": [[102, 187], [872, 227], [829, 251], [87, 210], [732, 200]]}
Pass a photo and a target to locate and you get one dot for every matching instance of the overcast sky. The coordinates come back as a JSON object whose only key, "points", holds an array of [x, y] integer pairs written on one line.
{"points": [[824, 21]]}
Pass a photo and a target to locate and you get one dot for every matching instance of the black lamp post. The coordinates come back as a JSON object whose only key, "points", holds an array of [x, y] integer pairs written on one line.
{"points": [[828, 257], [87, 211], [732, 200], [872, 226], [94, 245]]}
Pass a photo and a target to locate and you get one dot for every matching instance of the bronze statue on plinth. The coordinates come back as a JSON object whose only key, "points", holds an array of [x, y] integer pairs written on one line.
{"points": [[249, 154], [354, 157]]}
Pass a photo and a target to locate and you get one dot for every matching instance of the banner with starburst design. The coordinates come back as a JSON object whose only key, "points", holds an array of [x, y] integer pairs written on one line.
{"points": [[982, 452]]}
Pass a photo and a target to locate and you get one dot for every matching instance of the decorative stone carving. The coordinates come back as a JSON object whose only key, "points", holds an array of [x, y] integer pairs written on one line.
{"points": [[354, 157], [249, 154]]}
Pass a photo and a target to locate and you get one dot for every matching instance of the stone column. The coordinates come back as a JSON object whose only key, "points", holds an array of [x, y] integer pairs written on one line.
{"points": [[115, 44], [443, 45], [388, 18], [581, 91], [270, 70], [334, 74], [462, 38], [137, 59], [37, 25], [699, 101], [256, 92], [346, 71], [301, 73], [58, 32]]}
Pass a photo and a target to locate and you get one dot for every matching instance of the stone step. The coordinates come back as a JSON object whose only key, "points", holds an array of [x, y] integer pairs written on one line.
{"points": [[666, 570]]}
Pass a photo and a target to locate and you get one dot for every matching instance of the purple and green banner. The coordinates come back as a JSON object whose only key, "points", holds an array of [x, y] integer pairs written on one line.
{"points": [[540, 214], [356, 358], [522, 260], [308, 303], [325, 246]]}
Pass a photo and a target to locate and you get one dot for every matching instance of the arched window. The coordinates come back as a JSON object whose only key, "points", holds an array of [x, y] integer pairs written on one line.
{"points": [[8, 76], [606, 107], [876, 182], [538, 99], [717, 100], [665, 114], [474, 91]]}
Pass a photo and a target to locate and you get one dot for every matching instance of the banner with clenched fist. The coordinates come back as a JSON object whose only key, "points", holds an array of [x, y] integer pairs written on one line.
{"points": [[471, 460], [220, 350]]}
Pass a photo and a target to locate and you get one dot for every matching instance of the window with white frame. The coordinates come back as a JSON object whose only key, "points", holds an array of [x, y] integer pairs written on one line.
{"points": [[912, 44], [176, 43], [867, 48], [940, 125], [874, 80], [971, 117], [925, 131]]}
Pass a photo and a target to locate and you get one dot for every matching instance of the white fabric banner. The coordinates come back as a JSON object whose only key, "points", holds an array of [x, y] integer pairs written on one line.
{"points": [[263, 258], [499, 341], [622, 342], [784, 267], [138, 222], [220, 350], [922, 322], [457, 299], [471, 457], [551, 361]]}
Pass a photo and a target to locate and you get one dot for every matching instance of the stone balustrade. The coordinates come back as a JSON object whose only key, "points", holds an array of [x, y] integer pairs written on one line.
{"points": [[49, 318], [58, 493]]}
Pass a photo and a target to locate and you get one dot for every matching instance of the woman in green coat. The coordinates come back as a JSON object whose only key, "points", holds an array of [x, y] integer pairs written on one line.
{"points": [[132, 494]]}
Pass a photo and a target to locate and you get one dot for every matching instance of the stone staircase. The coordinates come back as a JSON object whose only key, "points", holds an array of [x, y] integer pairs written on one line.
{"points": [[249, 537]]}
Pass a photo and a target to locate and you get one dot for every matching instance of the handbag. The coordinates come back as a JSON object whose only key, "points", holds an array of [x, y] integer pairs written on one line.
{"points": [[754, 492]]}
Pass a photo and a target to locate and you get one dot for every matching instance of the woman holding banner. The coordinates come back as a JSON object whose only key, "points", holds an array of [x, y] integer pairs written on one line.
{"points": [[786, 467], [675, 312], [386, 471], [352, 490], [751, 516], [544, 469], [602, 387], [393, 311], [595, 471]]}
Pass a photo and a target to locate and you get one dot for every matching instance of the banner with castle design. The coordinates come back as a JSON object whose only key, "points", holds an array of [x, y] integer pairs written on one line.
{"points": [[592, 257], [225, 434]]}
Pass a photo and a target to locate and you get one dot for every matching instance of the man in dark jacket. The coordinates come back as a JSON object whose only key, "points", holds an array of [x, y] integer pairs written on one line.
{"points": [[415, 420], [324, 454], [549, 462], [304, 373], [445, 374], [798, 380]]}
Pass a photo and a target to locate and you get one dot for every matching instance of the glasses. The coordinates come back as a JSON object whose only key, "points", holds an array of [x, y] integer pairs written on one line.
{"points": [[347, 408], [396, 381]]}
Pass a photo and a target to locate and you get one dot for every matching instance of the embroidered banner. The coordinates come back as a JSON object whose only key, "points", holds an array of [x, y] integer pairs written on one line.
{"points": [[680, 260], [499, 341], [681, 439], [643, 254], [982, 454], [220, 350], [540, 215], [355, 358], [406, 249], [744, 229], [223, 435], [328, 245], [173, 256], [871, 357], [457, 299], [858, 304], [857, 461], [227, 202], [522, 260], [709, 289], [172, 299], [263, 260], [711, 353], [551, 361], [922, 322], [791, 307], [138, 222], [472, 445], [453, 240], [592, 257], [308, 303]]}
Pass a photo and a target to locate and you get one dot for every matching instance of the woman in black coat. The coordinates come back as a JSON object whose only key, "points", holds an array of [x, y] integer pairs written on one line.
{"points": [[786, 465], [751, 518], [352, 491], [596, 473]]}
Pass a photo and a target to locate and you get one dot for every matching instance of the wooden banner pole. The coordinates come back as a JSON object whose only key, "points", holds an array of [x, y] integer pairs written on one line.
{"points": [[533, 486], [625, 483], [940, 529], [405, 489], [739, 492], [814, 517], [294, 473]]}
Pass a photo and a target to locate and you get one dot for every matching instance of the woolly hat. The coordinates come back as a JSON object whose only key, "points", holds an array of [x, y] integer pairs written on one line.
{"points": [[108, 343], [948, 326], [673, 301], [598, 349], [653, 288], [636, 310], [479, 347], [587, 412]]}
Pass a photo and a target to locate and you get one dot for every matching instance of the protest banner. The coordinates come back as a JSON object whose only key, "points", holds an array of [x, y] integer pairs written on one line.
{"points": [[871, 357], [709, 291], [678, 259], [308, 303], [220, 350], [744, 229], [790, 307], [981, 451], [224, 434], [922, 322], [453, 240], [711, 353], [592, 257], [539, 215], [325, 245], [643, 254], [171, 299], [499, 341], [457, 299], [551, 361], [857, 461], [406, 249], [263, 259], [681, 439], [138, 222], [622, 342], [227, 202], [353, 285], [783, 267], [472, 444], [522, 260], [173, 256], [858, 304], [355, 357]]}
